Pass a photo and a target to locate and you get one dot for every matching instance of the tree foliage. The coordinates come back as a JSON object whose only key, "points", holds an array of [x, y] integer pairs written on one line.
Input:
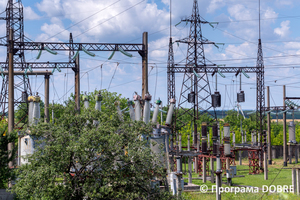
{"points": [[6, 156], [94, 155]]}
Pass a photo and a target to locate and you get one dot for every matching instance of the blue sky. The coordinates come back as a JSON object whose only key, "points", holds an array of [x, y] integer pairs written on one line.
{"points": [[124, 21]]}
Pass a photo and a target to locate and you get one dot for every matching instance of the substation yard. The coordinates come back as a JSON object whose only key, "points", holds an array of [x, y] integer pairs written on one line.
{"points": [[278, 175]]}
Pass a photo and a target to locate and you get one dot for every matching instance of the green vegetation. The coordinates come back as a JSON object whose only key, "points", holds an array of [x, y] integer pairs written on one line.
{"points": [[284, 177], [234, 119], [94, 155], [6, 156]]}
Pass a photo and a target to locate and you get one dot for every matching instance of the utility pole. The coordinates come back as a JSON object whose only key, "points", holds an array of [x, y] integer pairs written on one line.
{"points": [[269, 127], [284, 131]]}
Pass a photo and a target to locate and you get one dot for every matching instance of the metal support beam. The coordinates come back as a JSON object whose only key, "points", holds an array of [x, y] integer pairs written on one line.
{"points": [[204, 169], [212, 170], [190, 169], [60, 46], [34, 73], [294, 180], [212, 69], [77, 84], [46, 109], [265, 166], [284, 132], [40, 65], [298, 181], [11, 111], [269, 127], [145, 65]]}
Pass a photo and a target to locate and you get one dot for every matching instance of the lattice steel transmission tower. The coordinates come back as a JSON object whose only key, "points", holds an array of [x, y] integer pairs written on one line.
{"points": [[195, 96], [171, 72], [14, 22], [260, 84]]}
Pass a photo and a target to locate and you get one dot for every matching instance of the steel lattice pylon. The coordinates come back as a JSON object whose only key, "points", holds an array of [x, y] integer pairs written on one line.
{"points": [[171, 72], [193, 83], [260, 92], [14, 21]]}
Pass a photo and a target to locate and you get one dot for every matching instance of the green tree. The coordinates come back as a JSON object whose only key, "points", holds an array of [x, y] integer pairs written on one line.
{"points": [[93, 154], [6, 156]]}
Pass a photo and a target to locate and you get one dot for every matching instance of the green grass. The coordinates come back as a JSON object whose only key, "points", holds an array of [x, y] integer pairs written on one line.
{"points": [[284, 177], [241, 196]]}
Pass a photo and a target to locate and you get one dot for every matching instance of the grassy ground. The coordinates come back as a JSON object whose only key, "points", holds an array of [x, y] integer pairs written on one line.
{"points": [[283, 177]]}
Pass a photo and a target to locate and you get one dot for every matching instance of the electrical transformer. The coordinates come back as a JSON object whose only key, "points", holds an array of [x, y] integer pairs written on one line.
{"points": [[216, 100], [241, 97]]}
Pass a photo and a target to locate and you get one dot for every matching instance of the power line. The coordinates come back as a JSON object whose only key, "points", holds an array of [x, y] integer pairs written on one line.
{"points": [[113, 76], [84, 19], [110, 18]]}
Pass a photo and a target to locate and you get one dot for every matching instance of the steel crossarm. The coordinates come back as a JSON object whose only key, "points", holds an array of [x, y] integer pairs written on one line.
{"points": [[59, 46], [212, 69], [41, 65]]}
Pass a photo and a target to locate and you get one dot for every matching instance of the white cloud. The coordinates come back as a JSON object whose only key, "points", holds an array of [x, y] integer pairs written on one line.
{"points": [[284, 3], [29, 14], [214, 5], [283, 31], [239, 52], [292, 45], [52, 8], [269, 14]]}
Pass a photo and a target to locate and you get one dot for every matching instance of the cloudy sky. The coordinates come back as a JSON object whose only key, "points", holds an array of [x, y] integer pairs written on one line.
{"points": [[124, 21]]}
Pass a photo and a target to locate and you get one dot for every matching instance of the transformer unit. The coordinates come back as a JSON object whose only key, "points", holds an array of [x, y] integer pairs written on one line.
{"points": [[216, 99], [191, 97], [241, 97]]}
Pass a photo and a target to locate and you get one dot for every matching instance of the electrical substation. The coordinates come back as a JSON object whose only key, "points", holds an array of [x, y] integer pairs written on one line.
{"points": [[195, 99]]}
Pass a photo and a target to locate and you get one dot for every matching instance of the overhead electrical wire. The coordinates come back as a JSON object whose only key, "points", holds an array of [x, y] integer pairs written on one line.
{"points": [[84, 19], [120, 13], [110, 18], [113, 76]]}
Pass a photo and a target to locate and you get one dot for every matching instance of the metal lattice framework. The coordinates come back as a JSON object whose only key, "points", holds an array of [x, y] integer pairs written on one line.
{"points": [[192, 83], [56, 46], [41, 65], [260, 92], [171, 72], [14, 21], [196, 63]]}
